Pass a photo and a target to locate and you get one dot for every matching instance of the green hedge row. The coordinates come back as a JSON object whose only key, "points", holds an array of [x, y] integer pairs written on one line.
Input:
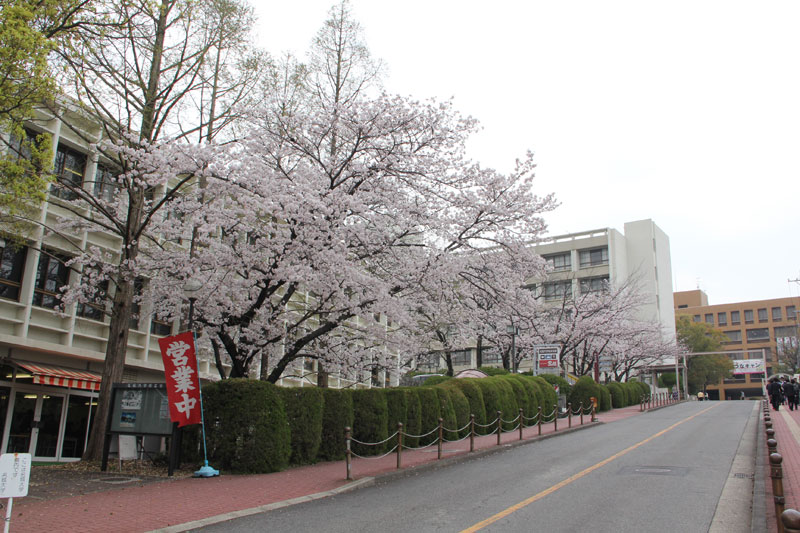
{"points": [[254, 426]]}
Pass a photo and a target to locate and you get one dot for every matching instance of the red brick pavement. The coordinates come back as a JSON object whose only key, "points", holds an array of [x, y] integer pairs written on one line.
{"points": [[789, 448], [174, 502]]}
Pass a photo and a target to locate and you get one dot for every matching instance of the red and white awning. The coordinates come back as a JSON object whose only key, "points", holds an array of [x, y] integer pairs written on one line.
{"points": [[63, 377]]}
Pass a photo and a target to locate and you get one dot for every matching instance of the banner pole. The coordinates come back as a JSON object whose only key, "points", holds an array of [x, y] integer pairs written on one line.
{"points": [[205, 470]]}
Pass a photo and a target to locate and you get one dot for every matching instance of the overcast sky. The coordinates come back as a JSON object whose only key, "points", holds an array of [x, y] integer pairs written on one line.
{"points": [[683, 112]]}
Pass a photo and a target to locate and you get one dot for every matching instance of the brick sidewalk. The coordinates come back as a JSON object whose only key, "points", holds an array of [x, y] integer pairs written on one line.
{"points": [[180, 501], [786, 424]]}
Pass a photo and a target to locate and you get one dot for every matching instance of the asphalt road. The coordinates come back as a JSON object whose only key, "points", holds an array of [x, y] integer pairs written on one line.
{"points": [[662, 471]]}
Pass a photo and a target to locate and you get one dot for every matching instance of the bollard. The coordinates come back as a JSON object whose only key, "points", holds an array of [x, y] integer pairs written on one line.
{"points": [[791, 521], [770, 433], [347, 456], [594, 413], [569, 415], [539, 422], [520, 424], [581, 404], [441, 436], [499, 425], [399, 444], [555, 418], [776, 473], [772, 446], [472, 433], [641, 404]]}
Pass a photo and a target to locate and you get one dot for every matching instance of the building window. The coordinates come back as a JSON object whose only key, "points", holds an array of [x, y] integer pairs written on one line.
{"points": [[748, 316], [160, 327], [461, 357], [790, 312], [69, 168], [599, 284], [557, 290], [51, 275], [96, 306], [758, 335], [722, 319], [735, 318], [594, 257], [776, 314], [709, 318], [12, 265], [786, 340], [491, 355], [762, 315], [696, 318], [559, 262], [734, 335], [683, 306], [104, 184]]}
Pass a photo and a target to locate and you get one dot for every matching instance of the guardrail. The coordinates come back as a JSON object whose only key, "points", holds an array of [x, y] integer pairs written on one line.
{"points": [[522, 422], [659, 399]]}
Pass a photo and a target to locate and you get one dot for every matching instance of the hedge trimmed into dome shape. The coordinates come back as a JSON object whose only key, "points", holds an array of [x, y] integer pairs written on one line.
{"points": [[618, 399], [605, 399], [474, 396], [413, 416], [508, 400], [549, 396], [447, 411], [431, 411], [563, 385], [370, 418], [521, 397], [582, 391], [492, 401], [460, 406], [532, 394], [337, 413], [246, 426], [304, 406], [397, 404]]}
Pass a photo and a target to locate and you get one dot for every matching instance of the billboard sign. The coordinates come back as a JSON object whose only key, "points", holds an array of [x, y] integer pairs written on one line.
{"points": [[748, 366], [547, 358]]}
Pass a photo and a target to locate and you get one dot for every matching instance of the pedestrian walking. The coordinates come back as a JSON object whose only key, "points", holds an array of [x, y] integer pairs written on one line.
{"points": [[775, 392], [788, 393]]}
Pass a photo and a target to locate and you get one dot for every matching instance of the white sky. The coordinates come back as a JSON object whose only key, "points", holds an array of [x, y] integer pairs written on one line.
{"points": [[684, 112]]}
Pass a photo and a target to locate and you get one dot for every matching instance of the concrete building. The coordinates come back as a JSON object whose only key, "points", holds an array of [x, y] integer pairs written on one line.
{"points": [[584, 262], [756, 329]]}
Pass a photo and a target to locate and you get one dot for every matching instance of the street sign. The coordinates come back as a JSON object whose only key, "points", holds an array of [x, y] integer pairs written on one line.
{"points": [[15, 472], [546, 356]]}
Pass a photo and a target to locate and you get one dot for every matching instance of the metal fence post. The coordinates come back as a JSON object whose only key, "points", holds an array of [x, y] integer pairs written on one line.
{"points": [[555, 418], [594, 413], [441, 436], [776, 473], [499, 425], [348, 458], [399, 445], [472, 433], [539, 422], [521, 421], [569, 415], [581, 407]]}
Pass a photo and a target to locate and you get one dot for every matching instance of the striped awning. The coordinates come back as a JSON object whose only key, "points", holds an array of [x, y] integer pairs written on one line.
{"points": [[63, 377]]}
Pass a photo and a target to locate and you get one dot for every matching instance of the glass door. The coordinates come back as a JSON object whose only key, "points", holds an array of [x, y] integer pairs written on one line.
{"points": [[49, 411], [19, 436], [35, 424]]}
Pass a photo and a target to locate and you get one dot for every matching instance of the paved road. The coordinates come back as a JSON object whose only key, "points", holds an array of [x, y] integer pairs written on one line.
{"points": [[663, 471]]}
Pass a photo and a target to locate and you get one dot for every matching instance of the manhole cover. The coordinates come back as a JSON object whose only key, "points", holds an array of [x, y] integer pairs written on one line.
{"points": [[655, 470], [741, 475], [116, 480]]}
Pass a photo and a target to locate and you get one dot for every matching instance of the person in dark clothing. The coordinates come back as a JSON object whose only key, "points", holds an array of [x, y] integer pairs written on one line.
{"points": [[788, 393], [775, 392]]}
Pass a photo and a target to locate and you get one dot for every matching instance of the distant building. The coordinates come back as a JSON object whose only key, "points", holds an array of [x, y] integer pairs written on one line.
{"points": [[761, 328]]}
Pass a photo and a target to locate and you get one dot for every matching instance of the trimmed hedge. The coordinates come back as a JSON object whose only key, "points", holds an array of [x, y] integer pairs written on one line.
{"points": [[436, 380], [492, 401], [493, 371], [337, 413], [413, 415], [370, 418], [304, 407], [474, 396], [563, 385], [508, 400], [446, 410], [397, 404], [430, 413], [246, 426], [605, 399], [549, 396], [582, 391], [617, 395], [532, 394], [520, 396], [460, 406]]}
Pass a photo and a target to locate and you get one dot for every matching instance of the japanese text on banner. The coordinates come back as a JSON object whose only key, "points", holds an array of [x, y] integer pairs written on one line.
{"points": [[183, 384]]}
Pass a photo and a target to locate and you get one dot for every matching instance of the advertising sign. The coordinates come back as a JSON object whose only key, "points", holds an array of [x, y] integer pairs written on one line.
{"points": [[748, 366], [15, 472], [183, 383], [546, 356]]}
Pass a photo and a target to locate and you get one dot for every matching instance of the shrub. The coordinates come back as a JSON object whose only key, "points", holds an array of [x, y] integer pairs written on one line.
{"points": [[508, 400], [492, 401], [582, 391], [413, 416], [549, 396], [493, 371], [304, 406], [430, 413], [632, 392], [532, 394], [645, 388], [474, 397], [397, 405], [520, 396], [563, 385], [435, 380], [370, 415], [460, 406], [447, 411], [246, 426], [617, 395], [337, 414], [605, 399]]}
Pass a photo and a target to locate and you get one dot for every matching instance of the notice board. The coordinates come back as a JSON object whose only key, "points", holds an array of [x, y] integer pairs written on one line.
{"points": [[141, 409]]}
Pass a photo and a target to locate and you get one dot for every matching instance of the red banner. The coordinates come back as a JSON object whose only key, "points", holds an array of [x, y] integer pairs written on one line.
{"points": [[183, 383]]}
